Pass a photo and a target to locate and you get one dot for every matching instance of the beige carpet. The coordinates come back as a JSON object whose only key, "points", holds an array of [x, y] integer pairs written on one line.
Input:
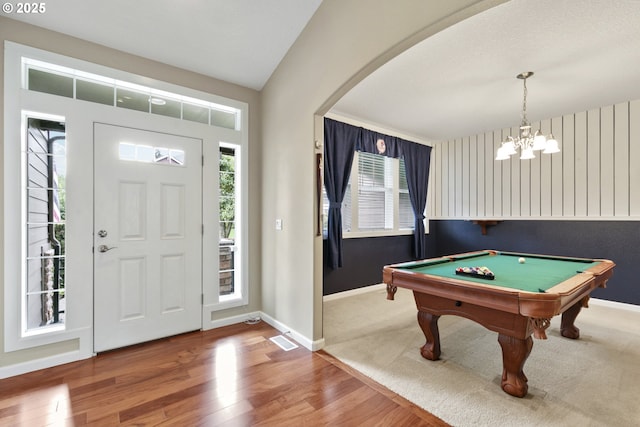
{"points": [[593, 381]]}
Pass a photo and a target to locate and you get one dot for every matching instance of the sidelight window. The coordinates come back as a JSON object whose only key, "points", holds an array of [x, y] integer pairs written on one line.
{"points": [[228, 197], [45, 197]]}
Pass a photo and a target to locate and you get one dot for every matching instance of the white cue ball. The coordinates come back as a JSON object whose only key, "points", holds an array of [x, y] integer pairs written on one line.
{"points": [[521, 260]]}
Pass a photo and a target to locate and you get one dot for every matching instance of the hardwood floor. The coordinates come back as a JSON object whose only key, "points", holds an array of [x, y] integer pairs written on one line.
{"points": [[231, 376]]}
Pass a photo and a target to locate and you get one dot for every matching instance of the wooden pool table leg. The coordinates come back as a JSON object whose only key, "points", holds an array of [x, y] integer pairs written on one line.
{"points": [[567, 327], [515, 352], [429, 325], [391, 291]]}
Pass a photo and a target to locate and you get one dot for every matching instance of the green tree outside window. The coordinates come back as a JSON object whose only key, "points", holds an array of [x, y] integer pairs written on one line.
{"points": [[227, 195]]}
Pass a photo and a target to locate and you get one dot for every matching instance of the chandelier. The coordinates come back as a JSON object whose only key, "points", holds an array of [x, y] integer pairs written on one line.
{"points": [[525, 140]]}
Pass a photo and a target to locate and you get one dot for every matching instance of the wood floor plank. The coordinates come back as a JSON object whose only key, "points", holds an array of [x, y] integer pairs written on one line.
{"points": [[231, 376], [196, 413]]}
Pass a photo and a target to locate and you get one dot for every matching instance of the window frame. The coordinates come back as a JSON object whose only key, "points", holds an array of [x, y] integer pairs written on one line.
{"points": [[240, 294]]}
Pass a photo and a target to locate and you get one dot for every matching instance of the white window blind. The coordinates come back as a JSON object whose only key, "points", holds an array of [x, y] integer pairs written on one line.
{"points": [[375, 192], [377, 196]]}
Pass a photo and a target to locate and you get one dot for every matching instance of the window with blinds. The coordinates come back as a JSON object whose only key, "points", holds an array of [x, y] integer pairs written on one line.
{"points": [[377, 197]]}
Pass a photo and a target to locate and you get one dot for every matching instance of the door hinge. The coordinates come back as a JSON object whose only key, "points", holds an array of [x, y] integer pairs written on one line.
{"points": [[202, 229], [203, 160], [202, 299]]}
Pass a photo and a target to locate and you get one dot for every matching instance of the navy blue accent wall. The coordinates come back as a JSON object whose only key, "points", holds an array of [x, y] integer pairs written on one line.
{"points": [[618, 241], [363, 260]]}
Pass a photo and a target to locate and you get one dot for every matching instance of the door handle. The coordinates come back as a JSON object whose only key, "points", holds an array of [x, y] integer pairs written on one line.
{"points": [[105, 248]]}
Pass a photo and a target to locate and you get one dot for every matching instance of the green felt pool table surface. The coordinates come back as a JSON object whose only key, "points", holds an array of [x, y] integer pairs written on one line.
{"points": [[537, 274]]}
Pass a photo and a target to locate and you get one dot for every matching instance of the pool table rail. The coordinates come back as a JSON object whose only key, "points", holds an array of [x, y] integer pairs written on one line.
{"points": [[567, 293], [452, 288]]}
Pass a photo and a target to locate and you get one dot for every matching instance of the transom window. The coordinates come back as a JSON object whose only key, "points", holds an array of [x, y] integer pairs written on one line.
{"points": [[62, 81]]}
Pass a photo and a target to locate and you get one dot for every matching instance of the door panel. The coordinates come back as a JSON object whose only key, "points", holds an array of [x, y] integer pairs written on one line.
{"points": [[148, 238], [132, 211]]}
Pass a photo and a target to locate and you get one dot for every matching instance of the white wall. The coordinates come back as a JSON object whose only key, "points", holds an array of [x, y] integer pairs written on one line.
{"points": [[344, 42], [595, 176]]}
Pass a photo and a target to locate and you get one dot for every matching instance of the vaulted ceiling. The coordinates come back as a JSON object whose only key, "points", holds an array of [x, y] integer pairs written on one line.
{"points": [[238, 41]]}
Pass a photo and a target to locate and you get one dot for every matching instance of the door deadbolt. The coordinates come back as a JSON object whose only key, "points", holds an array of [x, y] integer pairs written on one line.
{"points": [[102, 233]]}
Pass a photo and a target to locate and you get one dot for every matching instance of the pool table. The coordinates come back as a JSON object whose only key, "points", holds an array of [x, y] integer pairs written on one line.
{"points": [[525, 292]]}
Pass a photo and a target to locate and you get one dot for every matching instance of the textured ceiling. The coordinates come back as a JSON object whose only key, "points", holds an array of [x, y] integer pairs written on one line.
{"points": [[462, 81]]}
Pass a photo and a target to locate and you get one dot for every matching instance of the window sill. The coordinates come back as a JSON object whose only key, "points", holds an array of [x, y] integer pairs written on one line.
{"points": [[384, 233]]}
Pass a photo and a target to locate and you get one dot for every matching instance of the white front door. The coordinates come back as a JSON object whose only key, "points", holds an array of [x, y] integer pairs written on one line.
{"points": [[147, 237]]}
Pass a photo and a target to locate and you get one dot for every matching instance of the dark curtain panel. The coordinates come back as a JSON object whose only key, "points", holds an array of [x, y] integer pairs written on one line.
{"points": [[416, 163], [340, 141]]}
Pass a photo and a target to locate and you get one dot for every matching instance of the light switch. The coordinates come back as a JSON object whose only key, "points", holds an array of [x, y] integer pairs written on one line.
{"points": [[278, 224]]}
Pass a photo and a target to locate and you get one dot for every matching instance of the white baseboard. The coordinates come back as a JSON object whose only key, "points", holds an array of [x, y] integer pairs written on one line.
{"points": [[353, 292], [232, 320], [615, 304], [301, 339], [45, 362], [286, 330]]}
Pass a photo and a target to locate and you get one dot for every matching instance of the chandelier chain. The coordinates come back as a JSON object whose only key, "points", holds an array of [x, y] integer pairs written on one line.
{"points": [[524, 103]]}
